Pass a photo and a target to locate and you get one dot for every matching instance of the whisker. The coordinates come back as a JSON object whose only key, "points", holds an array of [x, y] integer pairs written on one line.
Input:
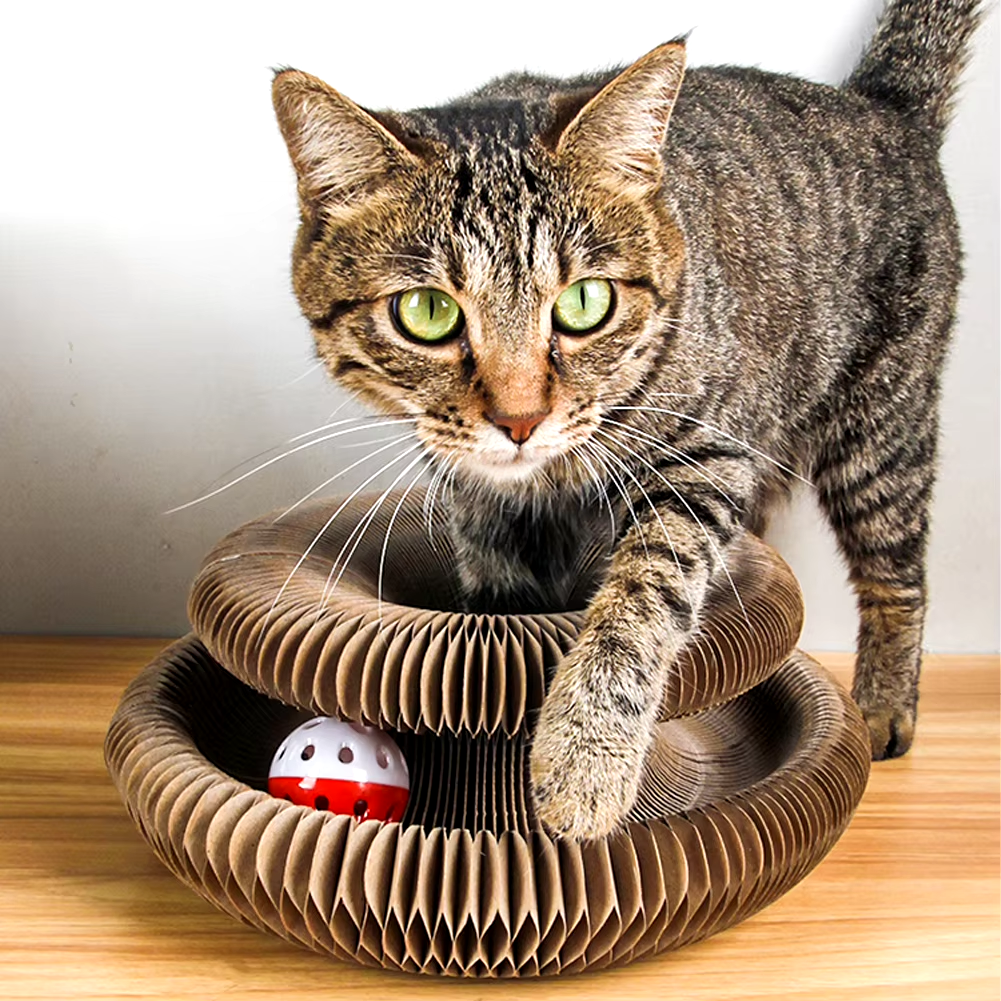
{"points": [[578, 453], [302, 375], [351, 446], [340, 406], [389, 529], [592, 446], [326, 525], [698, 521], [380, 421], [338, 475], [360, 528], [426, 505], [429, 498], [252, 458], [703, 689], [663, 527], [354, 536], [272, 461], [450, 480], [706, 474], [722, 434]]}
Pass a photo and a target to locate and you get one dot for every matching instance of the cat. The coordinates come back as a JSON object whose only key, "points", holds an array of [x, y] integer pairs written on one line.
{"points": [[669, 292]]}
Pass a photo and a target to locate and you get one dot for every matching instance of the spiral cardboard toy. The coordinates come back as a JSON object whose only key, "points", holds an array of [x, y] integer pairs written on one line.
{"points": [[758, 763]]}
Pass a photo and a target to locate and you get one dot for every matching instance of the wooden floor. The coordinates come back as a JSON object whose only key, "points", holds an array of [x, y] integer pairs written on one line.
{"points": [[905, 907]]}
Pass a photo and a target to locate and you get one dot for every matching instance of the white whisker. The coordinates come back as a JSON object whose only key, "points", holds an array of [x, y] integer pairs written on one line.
{"points": [[596, 479], [450, 480], [722, 434], [272, 461], [389, 529], [250, 459], [698, 521], [670, 542], [379, 421], [360, 528], [326, 525], [338, 475], [663, 527], [429, 498], [593, 446], [706, 474], [302, 375], [340, 406]]}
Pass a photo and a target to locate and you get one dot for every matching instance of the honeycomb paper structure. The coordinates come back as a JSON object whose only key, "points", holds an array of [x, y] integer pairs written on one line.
{"points": [[757, 766]]}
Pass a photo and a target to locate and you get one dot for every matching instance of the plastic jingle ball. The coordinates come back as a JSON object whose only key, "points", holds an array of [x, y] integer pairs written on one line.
{"points": [[346, 768]]}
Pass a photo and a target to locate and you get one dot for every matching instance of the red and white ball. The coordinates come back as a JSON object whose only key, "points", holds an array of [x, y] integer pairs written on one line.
{"points": [[342, 767]]}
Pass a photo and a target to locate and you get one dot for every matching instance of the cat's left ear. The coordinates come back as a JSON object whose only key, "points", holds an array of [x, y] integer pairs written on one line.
{"points": [[340, 152], [617, 136]]}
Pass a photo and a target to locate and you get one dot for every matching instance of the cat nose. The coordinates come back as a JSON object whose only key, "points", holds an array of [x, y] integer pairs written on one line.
{"points": [[519, 427]]}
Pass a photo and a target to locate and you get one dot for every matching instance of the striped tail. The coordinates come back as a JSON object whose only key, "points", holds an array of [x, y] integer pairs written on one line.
{"points": [[915, 57]]}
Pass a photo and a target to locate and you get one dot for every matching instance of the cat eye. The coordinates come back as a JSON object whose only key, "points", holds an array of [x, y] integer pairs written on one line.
{"points": [[426, 314], [583, 306]]}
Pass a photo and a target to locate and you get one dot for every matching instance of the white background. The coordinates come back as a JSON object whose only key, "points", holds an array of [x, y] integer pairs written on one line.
{"points": [[148, 337]]}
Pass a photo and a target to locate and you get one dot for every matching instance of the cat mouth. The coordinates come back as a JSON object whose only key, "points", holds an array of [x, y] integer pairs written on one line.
{"points": [[508, 465]]}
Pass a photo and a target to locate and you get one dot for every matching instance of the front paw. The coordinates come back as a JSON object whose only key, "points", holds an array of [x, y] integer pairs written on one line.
{"points": [[585, 774], [891, 726]]}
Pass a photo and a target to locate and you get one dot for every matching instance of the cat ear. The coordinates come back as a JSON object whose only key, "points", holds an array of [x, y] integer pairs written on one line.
{"points": [[340, 152], [617, 136]]}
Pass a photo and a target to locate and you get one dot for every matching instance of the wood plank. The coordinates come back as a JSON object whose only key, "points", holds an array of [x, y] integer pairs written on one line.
{"points": [[906, 905]]}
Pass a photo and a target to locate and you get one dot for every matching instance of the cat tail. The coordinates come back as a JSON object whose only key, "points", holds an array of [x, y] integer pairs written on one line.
{"points": [[915, 57]]}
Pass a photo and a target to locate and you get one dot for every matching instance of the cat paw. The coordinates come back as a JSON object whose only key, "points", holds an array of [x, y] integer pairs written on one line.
{"points": [[891, 729], [582, 785]]}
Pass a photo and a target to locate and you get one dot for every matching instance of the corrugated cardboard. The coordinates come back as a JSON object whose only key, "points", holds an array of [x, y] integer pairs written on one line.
{"points": [[756, 769]]}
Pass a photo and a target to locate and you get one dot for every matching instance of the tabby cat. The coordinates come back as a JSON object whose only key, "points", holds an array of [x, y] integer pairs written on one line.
{"points": [[666, 292]]}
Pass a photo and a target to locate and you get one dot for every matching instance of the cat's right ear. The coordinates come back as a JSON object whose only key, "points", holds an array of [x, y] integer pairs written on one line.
{"points": [[616, 138], [341, 154]]}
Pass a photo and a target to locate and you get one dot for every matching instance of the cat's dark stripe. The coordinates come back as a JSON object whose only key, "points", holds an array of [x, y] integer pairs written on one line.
{"points": [[463, 190], [345, 366], [336, 311], [703, 453], [677, 604]]}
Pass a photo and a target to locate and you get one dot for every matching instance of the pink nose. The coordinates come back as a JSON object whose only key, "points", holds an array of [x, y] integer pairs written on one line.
{"points": [[519, 427]]}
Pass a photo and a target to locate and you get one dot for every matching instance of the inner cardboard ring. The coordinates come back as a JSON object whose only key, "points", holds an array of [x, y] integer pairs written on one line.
{"points": [[268, 613]]}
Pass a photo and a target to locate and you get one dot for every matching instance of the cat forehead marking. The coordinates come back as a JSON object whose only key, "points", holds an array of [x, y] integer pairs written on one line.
{"points": [[508, 255]]}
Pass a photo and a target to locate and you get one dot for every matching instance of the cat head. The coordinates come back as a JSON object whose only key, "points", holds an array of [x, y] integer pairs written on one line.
{"points": [[501, 268]]}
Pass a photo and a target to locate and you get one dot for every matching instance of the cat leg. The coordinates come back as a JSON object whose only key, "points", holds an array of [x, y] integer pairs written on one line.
{"points": [[874, 480], [597, 721]]}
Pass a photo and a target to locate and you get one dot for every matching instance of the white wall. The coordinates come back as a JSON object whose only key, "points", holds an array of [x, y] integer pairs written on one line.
{"points": [[148, 338]]}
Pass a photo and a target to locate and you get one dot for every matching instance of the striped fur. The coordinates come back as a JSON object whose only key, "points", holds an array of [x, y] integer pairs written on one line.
{"points": [[785, 261]]}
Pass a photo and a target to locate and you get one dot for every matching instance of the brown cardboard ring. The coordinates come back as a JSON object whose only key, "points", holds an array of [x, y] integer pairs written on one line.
{"points": [[410, 661], [509, 901]]}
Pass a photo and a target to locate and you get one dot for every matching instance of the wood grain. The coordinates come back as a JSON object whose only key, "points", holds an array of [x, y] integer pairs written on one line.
{"points": [[906, 906]]}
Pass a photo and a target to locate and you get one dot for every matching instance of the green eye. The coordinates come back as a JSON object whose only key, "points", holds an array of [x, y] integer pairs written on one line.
{"points": [[426, 314], [583, 305]]}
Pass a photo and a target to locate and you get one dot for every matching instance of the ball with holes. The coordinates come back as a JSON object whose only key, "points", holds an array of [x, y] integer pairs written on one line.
{"points": [[341, 767]]}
